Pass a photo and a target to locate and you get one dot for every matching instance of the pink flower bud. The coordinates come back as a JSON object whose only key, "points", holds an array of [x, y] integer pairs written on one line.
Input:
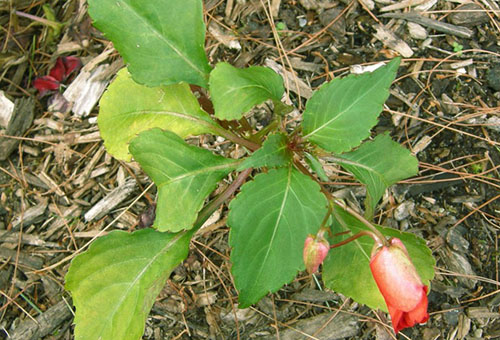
{"points": [[315, 251], [400, 285]]}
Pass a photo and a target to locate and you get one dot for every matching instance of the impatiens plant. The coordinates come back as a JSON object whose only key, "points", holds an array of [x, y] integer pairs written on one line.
{"points": [[279, 204]]}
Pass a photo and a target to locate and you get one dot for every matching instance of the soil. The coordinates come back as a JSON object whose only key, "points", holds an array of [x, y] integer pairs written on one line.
{"points": [[444, 106]]}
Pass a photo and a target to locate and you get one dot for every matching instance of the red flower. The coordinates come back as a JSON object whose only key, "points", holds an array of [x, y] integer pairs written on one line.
{"points": [[60, 72], [315, 251], [400, 285]]}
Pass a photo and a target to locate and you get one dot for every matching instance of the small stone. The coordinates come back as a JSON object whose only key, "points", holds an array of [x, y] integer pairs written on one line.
{"points": [[402, 211], [456, 262], [493, 77], [469, 15], [456, 240], [416, 31], [451, 315], [448, 105]]}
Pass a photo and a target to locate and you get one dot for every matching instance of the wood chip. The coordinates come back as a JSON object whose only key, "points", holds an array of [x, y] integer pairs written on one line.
{"points": [[20, 122], [30, 215], [439, 26], [45, 323], [6, 110], [391, 40], [226, 38], [27, 261], [292, 81], [110, 201], [71, 212], [275, 8], [402, 5], [86, 90], [9, 236]]}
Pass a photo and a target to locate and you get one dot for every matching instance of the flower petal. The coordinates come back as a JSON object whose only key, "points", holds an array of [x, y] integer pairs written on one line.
{"points": [[45, 84], [71, 64], [57, 72]]}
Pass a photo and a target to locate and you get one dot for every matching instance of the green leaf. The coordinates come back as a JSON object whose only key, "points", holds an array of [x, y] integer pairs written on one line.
{"points": [[235, 91], [184, 174], [162, 41], [346, 269], [341, 113], [269, 222], [127, 108], [316, 166], [115, 282], [379, 164], [273, 153]]}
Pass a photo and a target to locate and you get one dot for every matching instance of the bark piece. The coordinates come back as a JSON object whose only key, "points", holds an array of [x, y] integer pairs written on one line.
{"points": [[24, 260], [20, 122], [30, 215], [469, 15], [45, 323]]}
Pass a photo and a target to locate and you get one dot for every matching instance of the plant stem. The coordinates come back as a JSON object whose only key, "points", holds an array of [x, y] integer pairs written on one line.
{"points": [[209, 209], [363, 220], [235, 139], [344, 206], [273, 125], [358, 235]]}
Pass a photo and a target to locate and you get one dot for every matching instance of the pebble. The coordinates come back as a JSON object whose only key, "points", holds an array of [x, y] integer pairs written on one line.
{"points": [[469, 15], [493, 77], [417, 31], [402, 211], [457, 241], [451, 315]]}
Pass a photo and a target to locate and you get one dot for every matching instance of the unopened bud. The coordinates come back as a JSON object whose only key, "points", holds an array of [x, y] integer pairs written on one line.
{"points": [[315, 251]]}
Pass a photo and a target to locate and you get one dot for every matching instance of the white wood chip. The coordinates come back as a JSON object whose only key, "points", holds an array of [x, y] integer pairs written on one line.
{"points": [[6, 110], [392, 41], [226, 38], [86, 90], [292, 81], [110, 201]]}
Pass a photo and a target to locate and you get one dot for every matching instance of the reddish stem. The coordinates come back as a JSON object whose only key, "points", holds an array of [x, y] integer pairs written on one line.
{"points": [[358, 235]]}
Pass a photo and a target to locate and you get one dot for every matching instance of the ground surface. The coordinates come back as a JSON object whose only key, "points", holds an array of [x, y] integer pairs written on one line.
{"points": [[444, 107]]}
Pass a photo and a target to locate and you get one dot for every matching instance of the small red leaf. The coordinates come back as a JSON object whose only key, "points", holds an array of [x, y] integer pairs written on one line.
{"points": [[45, 84], [58, 71], [71, 64]]}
